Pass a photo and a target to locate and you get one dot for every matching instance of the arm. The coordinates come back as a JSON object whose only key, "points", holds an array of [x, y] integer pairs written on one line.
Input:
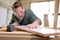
{"points": [[34, 19], [37, 22], [13, 21]]}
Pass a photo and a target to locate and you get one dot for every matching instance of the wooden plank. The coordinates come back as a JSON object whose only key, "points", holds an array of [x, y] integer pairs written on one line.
{"points": [[22, 38], [46, 22], [15, 33], [56, 13], [44, 32], [3, 29]]}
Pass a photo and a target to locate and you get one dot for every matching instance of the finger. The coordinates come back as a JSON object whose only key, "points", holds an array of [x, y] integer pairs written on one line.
{"points": [[31, 27]]}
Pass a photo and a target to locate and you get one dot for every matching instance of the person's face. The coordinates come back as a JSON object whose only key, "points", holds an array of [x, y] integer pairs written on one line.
{"points": [[19, 12]]}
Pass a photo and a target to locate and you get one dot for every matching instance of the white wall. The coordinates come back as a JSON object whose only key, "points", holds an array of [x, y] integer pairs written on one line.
{"points": [[3, 16]]}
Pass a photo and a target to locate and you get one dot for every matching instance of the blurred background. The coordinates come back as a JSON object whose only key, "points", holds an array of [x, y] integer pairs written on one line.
{"points": [[43, 9]]}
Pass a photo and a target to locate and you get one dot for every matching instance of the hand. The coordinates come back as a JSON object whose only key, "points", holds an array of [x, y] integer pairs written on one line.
{"points": [[31, 26], [15, 24]]}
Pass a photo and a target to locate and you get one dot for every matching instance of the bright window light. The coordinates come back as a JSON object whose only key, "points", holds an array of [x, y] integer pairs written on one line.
{"points": [[41, 8]]}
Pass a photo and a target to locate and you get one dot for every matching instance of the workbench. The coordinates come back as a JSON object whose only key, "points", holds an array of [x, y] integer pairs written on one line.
{"points": [[19, 34]]}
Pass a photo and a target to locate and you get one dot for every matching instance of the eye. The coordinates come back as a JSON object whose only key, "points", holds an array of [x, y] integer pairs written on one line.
{"points": [[21, 11]]}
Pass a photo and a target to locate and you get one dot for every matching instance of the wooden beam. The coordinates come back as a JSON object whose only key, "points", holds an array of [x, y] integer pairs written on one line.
{"points": [[56, 13], [16, 33], [5, 5], [46, 22]]}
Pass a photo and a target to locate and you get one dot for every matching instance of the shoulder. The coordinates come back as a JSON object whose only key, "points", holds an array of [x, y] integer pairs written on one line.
{"points": [[28, 10], [28, 13], [13, 16]]}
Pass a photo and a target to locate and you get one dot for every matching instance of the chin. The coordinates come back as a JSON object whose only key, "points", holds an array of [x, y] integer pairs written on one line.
{"points": [[20, 18]]}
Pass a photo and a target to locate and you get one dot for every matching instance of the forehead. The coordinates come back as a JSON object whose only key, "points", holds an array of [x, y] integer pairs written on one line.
{"points": [[18, 9]]}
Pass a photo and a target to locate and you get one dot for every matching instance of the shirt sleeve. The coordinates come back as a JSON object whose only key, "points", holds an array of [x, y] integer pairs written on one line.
{"points": [[12, 20], [33, 17]]}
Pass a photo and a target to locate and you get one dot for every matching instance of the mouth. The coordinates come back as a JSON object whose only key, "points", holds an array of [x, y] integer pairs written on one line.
{"points": [[20, 16]]}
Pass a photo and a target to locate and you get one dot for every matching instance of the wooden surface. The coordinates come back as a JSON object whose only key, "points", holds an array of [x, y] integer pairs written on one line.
{"points": [[22, 38], [46, 22], [45, 32], [56, 13], [19, 35], [3, 29], [15, 33]]}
